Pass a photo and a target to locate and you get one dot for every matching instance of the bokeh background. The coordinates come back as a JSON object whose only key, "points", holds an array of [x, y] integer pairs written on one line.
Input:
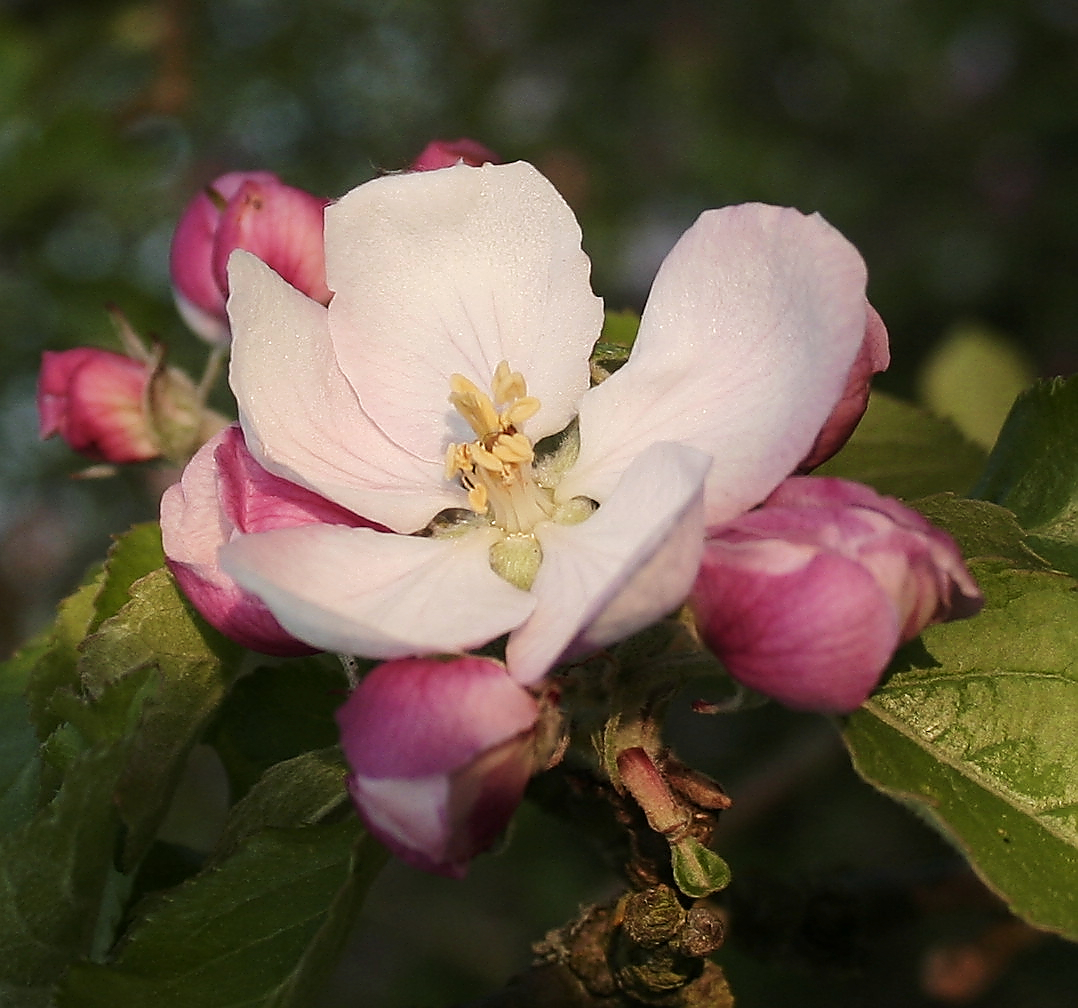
{"points": [[940, 135]]}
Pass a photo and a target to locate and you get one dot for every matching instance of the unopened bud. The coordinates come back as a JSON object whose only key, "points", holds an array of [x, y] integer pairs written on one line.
{"points": [[806, 598], [257, 212], [446, 153]]}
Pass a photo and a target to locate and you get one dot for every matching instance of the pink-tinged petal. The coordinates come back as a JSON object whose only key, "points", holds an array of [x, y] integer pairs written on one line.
{"points": [[58, 368], [630, 563], [376, 594], [254, 500], [281, 225], [446, 153], [194, 526], [438, 824], [453, 271], [417, 717], [199, 296], [806, 598], [96, 401], [873, 357], [813, 630], [958, 593], [749, 333], [301, 418]]}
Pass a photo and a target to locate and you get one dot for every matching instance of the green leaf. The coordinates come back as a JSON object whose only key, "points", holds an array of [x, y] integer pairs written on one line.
{"points": [[262, 929], [56, 668], [976, 729], [275, 713], [981, 529], [614, 344], [298, 792], [620, 328], [901, 450], [20, 761], [53, 874], [978, 408], [156, 629], [1033, 470], [132, 556]]}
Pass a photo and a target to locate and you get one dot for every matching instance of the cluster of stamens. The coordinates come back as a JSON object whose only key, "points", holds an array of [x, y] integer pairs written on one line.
{"points": [[495, 468]]}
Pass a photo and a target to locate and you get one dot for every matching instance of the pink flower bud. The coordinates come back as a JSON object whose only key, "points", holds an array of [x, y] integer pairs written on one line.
{"points": [[97, 401], [224, 492], [440, 752], [446, 153], [873, 357], [255, 211], [807, 598]]}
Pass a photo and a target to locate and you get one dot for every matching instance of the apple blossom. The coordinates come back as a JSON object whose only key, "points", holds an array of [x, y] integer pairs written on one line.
{"points": [[224, 493], [249, 210], [96, 400], [120, 408], [446, 153], [440, 752], [564, 516], [807, 598]]}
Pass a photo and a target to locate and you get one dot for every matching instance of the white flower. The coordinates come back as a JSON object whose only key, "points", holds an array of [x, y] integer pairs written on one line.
{"points": [[458, 336]]}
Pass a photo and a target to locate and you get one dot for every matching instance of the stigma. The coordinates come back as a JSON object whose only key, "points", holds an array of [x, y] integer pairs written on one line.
{"points": [[496, 468]]}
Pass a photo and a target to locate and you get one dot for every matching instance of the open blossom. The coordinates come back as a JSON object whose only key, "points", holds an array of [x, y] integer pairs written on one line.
{"points": [[457, 340], [440, 752], [807, 598], [248, 210]]}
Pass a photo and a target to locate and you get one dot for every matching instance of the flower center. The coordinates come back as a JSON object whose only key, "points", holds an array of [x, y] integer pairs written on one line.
{"points": [[496, 468]]}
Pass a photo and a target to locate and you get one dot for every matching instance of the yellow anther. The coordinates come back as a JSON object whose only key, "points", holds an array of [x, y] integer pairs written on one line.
{"points": [[480, 456], [460, 387], [477, 498], [518, 413], [507, 386], [474, 406], [513, 448], [456, 460]]}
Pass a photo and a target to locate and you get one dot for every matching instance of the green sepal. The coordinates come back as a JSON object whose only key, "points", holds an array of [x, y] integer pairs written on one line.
{"points": [[698, 870]]}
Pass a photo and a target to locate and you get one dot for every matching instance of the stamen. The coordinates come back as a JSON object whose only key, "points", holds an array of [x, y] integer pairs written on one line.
{"points": [[477, 498], [495, 469], [513, 448], [520, 412], [487, 459], [507, 386], [474, 406]]}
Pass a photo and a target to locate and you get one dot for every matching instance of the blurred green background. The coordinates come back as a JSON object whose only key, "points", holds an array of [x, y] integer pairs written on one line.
{"points": [[940, 135]]}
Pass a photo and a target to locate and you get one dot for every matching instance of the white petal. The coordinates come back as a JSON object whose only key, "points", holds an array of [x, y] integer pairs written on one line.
{"points": [[453, 271], [376, 594], [300, 416], [629, 564], [750, 330]]}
